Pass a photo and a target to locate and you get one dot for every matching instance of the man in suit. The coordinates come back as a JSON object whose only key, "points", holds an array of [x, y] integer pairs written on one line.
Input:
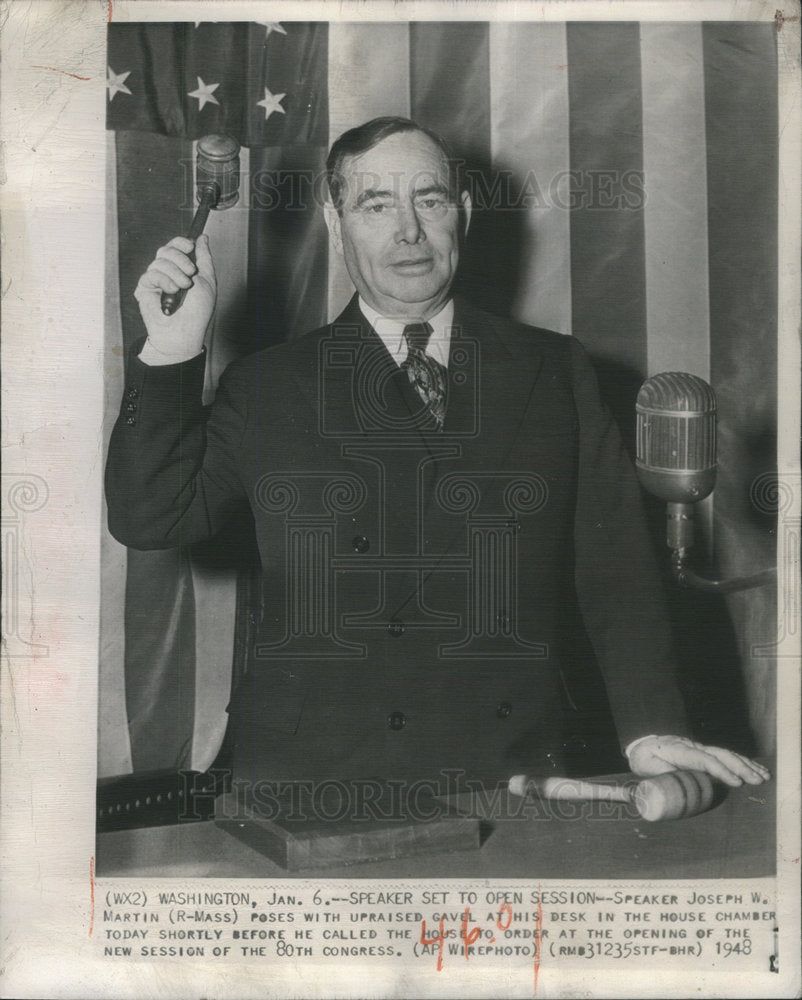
{"points": [[446, 518]]}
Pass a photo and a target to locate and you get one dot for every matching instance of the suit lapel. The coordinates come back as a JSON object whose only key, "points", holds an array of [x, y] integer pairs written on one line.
{"points": [[360, 397], [364, 404], [488, 409], [498, 394]]}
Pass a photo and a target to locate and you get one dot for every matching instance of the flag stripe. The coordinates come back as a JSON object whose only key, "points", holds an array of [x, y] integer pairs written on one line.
{"points": [[675, 212], [368, 77], [741, 118], [160, 612], [160, 658], [450, 93], [114, 751], [607, 261], [450, 83], [742, 133], [287, 245], [529, 114], [154, 204], [215, 594]]}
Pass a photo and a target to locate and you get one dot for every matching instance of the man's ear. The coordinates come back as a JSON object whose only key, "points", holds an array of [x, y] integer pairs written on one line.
{"points": [[466, 205], [332, 217]]}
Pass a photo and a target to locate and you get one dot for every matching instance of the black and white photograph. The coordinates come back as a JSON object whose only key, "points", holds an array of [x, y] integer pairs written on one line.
{"points": [[425, 532]]}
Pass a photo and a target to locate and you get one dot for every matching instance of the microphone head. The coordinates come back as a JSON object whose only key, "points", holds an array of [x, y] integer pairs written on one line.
{"points": [[218, 164], [676, 437]]}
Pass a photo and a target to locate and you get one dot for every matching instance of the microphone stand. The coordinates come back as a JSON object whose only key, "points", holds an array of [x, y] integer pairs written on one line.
{"points": [[679, 536]]}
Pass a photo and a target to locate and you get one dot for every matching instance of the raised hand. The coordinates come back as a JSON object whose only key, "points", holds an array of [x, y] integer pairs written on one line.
{"points": [[179, 337]]}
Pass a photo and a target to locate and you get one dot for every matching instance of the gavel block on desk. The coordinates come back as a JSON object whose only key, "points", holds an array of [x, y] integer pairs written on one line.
{"points": [[673, 795]]}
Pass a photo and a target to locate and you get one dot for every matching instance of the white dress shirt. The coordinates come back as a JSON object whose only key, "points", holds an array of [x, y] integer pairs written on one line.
{"points": [[391, 333]]}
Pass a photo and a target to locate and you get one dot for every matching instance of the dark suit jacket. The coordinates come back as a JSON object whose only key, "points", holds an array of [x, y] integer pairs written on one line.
{"points": [[427, 594]]}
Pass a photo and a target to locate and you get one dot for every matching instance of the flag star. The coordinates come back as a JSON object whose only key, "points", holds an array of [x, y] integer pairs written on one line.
{"points": [[272, 26], [204, 93], [116, 83], [271, 103]]}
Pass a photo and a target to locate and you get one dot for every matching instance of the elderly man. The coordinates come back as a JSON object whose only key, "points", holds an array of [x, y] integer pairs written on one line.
{"points": [[443, 507]]}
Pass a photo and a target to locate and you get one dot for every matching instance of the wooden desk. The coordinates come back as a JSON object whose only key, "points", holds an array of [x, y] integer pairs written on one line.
{"points": [[736, 839]]}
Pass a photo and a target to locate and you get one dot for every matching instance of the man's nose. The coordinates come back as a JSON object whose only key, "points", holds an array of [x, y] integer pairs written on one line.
{"points": [[409, 229]]}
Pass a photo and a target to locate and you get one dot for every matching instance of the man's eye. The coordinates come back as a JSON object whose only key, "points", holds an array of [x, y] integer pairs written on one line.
{"points": [[377, 208], [430, 204]]}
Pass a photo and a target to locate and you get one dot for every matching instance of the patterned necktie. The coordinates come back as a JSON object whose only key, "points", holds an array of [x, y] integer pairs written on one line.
{"points": [[426, 375]]}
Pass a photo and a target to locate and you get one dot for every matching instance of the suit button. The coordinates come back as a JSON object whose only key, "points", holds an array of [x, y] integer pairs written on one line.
{"points": [[131, 421], [504, 710], [396, 720], [396, 628], [132, 392], [360, 543], [130, 408]]}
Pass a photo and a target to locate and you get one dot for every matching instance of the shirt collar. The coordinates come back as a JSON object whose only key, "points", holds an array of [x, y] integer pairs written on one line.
{"points": [[391, 332]]}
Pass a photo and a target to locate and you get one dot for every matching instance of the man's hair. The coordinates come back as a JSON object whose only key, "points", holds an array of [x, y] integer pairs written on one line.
{"points": [[359, 140]]}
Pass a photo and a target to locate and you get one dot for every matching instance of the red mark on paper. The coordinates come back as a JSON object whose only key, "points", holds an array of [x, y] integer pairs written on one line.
{"points": [[64, 71], [109, 11], [538, 939], [435, 940], [468, 937], [92, 893]]}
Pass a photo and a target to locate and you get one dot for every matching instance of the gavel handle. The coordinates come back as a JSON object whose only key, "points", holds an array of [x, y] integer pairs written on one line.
{"points": [[171, 301], [569, 789]]}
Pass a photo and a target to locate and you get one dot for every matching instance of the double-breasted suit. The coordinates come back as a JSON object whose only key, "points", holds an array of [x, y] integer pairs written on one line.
{"points": [[427, 594]]}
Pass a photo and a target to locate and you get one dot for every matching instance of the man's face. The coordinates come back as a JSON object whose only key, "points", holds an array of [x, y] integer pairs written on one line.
{"points": [[399, 229]]}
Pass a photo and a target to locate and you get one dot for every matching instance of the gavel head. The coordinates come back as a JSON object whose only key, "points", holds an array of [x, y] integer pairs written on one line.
{"points": [[673, 795], [218, 166]]}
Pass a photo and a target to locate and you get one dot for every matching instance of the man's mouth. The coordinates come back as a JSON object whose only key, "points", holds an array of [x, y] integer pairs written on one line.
{"points": [[413, 265]]}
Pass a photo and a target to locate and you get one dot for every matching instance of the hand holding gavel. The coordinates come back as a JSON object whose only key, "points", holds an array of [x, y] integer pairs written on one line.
{"points": [[176, 294]]}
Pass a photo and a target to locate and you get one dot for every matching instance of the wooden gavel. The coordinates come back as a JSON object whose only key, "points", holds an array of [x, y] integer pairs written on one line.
{"points": [[217, 183], [673, 795]]}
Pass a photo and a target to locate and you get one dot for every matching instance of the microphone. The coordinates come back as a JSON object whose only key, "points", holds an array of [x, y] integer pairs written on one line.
{"points": [[217, 182], [676, 447], [676, 461]]}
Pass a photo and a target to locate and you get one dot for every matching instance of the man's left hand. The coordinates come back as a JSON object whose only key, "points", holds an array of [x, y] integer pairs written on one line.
{"points": [[658, 754]]}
